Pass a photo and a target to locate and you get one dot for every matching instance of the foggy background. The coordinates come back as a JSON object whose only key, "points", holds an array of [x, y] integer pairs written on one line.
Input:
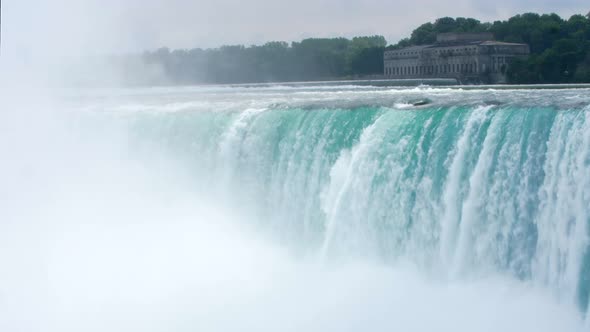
{"points": [[95, 236], [109, 26]]}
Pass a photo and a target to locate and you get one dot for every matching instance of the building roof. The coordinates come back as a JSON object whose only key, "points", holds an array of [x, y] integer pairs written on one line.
{"points": [[409, 49], [493, 42], [457, 43], [463, 36]]}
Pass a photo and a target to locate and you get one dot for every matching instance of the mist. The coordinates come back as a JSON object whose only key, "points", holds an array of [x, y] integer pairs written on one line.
{"points": [[105, 229], [96, 237]]}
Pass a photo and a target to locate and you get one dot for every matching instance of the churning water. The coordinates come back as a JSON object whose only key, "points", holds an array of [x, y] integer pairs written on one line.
{"points": [[332, 208]]}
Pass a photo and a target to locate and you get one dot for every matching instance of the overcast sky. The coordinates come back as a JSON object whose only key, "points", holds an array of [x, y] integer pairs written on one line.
{"points": [[97, 26]]}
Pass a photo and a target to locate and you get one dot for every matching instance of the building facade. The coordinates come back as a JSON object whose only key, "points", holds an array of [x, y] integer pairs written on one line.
{"points": [[466, 57]]}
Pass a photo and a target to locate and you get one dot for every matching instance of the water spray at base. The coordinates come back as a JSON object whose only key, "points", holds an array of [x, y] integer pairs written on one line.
{"points": [[199, 209]]}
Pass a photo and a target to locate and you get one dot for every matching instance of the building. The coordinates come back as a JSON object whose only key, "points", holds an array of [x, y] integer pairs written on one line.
{"points": [[466, 57]]}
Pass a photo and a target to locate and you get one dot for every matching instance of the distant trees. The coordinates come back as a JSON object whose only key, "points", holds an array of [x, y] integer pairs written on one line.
{"points": [[426, 33], [560, 49], [309, 59], [560, 53]]}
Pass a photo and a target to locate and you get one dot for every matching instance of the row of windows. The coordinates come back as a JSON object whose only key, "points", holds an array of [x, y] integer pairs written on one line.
{"points": [[454, 50], [434, 69], [405, 53], [499, 59], [441, 51], [499, 64]]}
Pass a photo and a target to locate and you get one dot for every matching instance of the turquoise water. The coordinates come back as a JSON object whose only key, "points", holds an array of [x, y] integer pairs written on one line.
{"points": [[475, 182], [302, 208]]}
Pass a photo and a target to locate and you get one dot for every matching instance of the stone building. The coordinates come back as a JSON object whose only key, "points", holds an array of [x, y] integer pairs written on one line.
{"points": [[466, 57]]}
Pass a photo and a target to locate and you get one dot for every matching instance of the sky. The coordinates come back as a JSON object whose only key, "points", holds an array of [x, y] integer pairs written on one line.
{"points": [[120, 26]]}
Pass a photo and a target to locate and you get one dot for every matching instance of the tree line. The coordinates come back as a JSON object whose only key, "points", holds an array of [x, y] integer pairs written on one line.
{"points": [[308, 60], [560, 53], [560, 48]]}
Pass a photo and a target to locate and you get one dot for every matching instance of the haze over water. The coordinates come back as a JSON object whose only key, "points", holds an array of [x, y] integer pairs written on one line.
{"points": [[317, 208]]}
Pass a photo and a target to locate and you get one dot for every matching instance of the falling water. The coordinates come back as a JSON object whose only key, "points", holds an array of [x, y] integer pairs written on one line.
{"points": [[478, 186]]}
